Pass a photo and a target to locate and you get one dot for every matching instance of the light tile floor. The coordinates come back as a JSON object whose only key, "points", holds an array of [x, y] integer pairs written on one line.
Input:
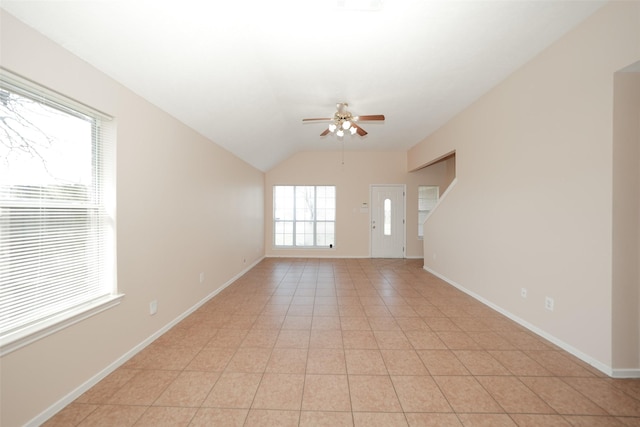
{"points": [[307, 342]]}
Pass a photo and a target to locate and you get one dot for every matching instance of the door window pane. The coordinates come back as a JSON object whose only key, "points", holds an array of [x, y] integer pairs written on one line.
{"points": [[387, 217]]}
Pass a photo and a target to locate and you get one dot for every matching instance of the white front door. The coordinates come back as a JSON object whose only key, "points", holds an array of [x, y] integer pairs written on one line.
{"points": [[387, 221]]}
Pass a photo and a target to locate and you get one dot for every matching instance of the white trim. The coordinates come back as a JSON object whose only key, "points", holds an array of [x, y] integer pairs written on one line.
{"points": [[293, 256], [27, 335], [69, 398], [29, 88], [570, 349], [304, 248], [625, 373], [340, 257]]}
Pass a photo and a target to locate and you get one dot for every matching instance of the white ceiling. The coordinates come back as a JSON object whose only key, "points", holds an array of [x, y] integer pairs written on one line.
{"points": [[245, 73]]}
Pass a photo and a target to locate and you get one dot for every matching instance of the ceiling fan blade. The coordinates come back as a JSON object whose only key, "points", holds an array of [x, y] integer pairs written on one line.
{"points": [[370, 117], [325, 132], [360, 131], [307, 120]]}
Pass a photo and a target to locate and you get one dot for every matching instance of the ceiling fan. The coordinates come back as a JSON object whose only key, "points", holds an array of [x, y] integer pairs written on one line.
{"points": [[343, 121]]}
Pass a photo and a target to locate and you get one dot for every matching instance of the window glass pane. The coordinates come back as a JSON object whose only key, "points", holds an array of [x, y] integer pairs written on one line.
{"points": [[283, 203], [427, 197], [387, 217], [320, 240], [305, 203], [326, 203], [284, 239], [279, 240], [288, 233], [427, 200], [421, 217], [309, 212], [304, 233], [325, 234], [54, 162], [283, 233]]}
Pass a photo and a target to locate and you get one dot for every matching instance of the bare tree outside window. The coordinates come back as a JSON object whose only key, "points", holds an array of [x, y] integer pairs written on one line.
{"points": [[42, 146], [20, 135]]}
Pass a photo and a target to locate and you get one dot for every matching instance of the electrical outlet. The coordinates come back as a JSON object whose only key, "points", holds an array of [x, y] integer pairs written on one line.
{"points": [[201, 277], [548, 303], [153, 307], [523, 292]]}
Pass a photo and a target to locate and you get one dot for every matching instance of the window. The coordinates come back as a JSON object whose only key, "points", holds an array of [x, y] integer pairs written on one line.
{"points": [[56, 216], [304, 216], [427, 199], [387, 217]]}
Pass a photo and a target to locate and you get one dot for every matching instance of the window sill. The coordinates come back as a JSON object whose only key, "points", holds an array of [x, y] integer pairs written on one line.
{"points": [[38, 330], [305, 248]]}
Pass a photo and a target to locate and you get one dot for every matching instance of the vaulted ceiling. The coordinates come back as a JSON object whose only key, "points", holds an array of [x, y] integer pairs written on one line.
{"points": [[245, 73]]}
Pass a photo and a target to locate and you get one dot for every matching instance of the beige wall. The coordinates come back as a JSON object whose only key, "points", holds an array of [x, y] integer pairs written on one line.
{"points": [[532, 206], [626, 220], [184, 206], [353, 180]]}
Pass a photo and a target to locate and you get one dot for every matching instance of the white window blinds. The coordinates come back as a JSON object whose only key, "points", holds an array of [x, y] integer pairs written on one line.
{"points": [[56, 209]]}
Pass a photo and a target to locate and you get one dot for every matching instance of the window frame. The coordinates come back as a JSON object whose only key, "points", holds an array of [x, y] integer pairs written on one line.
{"points": [[17, 335], [295, 221]]}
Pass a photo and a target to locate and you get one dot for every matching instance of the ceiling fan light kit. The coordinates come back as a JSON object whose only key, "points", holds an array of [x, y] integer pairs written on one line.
{"points": [[343, 121]]}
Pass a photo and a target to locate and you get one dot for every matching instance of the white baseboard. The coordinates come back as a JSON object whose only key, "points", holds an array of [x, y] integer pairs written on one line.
{"points": [[69, 398], [319, 256], [336, 257], [622, 373], [625, 373]]}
